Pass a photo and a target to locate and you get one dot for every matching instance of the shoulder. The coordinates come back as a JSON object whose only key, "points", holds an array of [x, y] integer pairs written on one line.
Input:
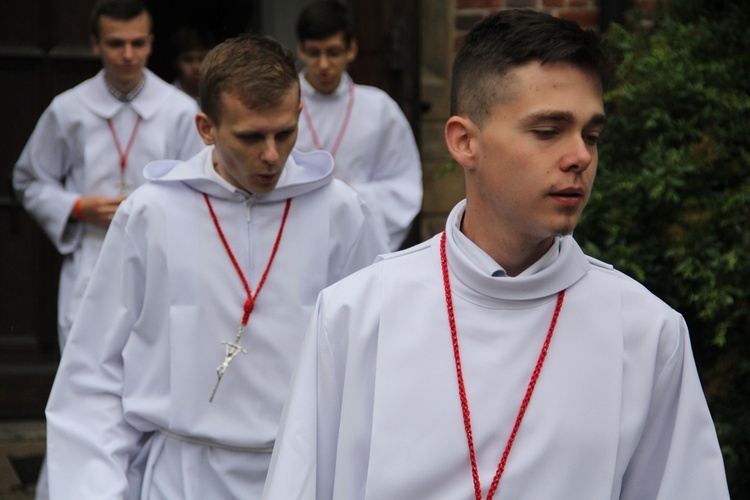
{"points": [[64, 113], [359, 289], [409, 256], [147, 210], [381, 110], [69, 101], [375, 98], [147, 197], [627, 286], [391, 277], [153, 197], [372, 93], [340, 200], [401, 268], [642, 314]]}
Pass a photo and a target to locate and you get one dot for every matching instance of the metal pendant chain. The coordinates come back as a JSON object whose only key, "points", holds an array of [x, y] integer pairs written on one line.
{"points": [[234, 348], [462, 390]]}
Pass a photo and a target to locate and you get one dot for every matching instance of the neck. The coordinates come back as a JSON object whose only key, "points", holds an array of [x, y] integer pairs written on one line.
{"points": [[514, 252], [125, 88], [323, 91]]}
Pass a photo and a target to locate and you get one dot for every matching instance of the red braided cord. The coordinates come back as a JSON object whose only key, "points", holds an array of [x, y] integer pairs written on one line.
{"points": [[462, 390], [342, 129], [250, 302], [124, 155]]}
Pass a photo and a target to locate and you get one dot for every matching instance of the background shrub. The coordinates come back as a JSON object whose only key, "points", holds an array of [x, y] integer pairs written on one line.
{"points": [[671, 204]]}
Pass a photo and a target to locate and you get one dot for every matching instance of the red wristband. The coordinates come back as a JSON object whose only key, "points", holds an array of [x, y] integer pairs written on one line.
{"points": [[77, 209]]}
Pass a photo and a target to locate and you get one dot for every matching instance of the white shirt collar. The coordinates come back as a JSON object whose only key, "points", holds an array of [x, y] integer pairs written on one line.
{"points": [[487, 264], [342, 89]]}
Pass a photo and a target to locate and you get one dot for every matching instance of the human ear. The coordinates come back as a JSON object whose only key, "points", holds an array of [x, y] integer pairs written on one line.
{"points": [[94, 45], [460, 138], [205, 128], [351, 54]]}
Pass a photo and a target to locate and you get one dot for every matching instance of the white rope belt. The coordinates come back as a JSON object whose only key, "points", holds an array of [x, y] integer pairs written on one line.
{"points": [[214, 444]]}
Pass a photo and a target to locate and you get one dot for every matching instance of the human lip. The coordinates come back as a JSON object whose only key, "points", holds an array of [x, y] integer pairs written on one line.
{"points": [[267, 178], [324, 79], [568, 196]]}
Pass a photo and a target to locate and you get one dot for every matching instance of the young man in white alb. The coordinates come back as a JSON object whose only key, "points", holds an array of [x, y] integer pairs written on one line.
{"points": [[497, 360], [173, 379], [89, 147], [361, 126]]}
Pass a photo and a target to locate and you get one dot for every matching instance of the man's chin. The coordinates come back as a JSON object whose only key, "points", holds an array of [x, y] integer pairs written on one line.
{"points": [[324, 86], [566, 230]]}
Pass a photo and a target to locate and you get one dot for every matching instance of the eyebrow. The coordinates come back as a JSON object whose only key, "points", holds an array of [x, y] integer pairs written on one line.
{"points": [[248, 133], [562, 116], [118, 39]]}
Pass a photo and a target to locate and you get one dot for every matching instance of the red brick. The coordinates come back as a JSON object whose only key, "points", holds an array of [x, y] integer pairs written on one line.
{"points": [[585, 18], [467, 21], [476, 4], [519, 4]]}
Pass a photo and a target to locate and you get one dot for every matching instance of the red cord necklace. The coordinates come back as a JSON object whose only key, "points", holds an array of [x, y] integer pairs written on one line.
{"points": [[234, 348], [342, 129], [462, 390], [122, 185]]}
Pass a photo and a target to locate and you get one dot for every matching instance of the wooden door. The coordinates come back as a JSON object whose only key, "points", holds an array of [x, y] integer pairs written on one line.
{"points": [[44, 50], [389, 38]]}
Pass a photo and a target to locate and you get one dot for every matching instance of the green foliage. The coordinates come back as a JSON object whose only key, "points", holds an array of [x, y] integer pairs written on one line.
{"points": [[671, 205]]}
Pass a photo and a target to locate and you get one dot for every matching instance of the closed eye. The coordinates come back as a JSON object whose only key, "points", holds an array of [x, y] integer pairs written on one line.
{"points": [[591, 139], [251, 138], [545, 134]]}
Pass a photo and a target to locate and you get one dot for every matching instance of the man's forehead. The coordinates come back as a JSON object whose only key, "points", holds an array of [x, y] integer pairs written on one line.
{"points": [[111, 27], [336, 40], [232, 100]]}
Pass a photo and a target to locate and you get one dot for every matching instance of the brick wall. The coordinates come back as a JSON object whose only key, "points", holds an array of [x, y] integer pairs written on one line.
{"points": [[584, 12]]}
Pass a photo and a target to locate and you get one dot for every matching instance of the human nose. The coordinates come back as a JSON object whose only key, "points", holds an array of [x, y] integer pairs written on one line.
{"points": [[579, 155], [324, 60], [127, 51], [270, 152]]}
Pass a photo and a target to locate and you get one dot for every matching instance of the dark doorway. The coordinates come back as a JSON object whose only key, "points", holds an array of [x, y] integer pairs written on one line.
{"points": [[44, 50]]}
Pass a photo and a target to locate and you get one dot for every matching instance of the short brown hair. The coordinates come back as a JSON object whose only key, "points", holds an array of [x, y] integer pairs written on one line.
{"points": [[323, 19], [509, 39], [121, 10], [256, 69]]}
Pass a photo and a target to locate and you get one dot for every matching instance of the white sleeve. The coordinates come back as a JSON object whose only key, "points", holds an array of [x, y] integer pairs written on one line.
{"points": [[90, 445], [394, 191], [39, 181], [678, 455]]}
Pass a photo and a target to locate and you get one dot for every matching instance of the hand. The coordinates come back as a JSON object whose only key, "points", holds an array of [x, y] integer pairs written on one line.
{"points": [[100, 209]]}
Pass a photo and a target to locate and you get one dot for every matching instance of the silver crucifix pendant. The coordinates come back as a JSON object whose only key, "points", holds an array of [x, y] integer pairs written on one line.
{"points": [[123, 186], [232, 349]]}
